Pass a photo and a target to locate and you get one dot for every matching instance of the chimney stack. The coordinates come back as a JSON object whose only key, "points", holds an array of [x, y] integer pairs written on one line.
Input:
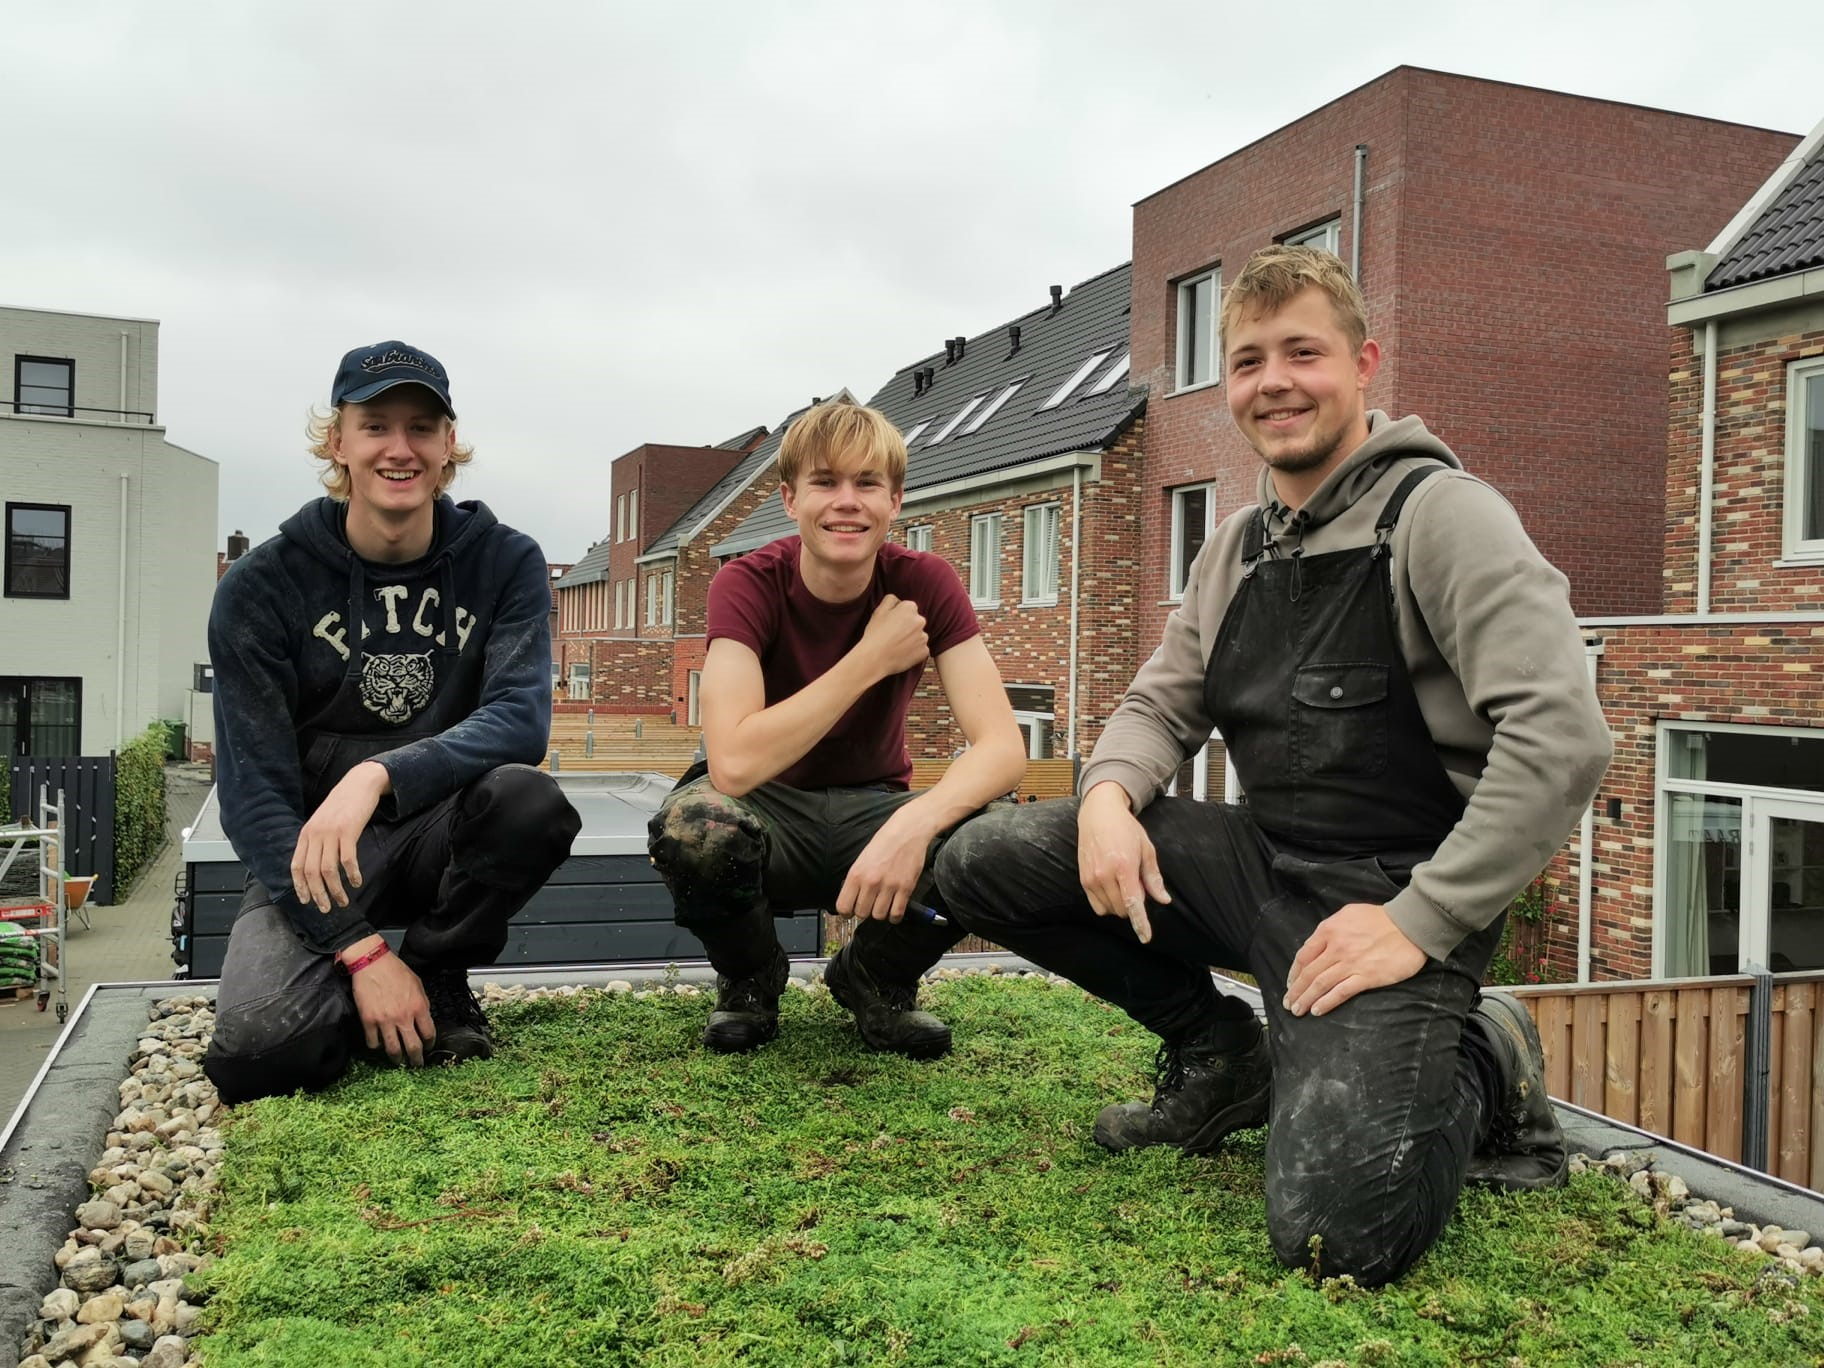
{"points": [[918, 383], [949, 351], [1013, 338], [930, 376], [237, 545], [1057, 298], [961, 344]]}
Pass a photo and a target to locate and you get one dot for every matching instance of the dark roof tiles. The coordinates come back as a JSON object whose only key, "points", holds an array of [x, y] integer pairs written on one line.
{"points": [[1053, 346], [1787, 237]]}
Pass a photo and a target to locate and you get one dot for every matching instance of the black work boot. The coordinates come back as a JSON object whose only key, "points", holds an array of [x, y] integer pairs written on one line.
{"points": [[887, 1013], [746, 1013], [1206, 1092], [1525, 1147], [462, 1029]]}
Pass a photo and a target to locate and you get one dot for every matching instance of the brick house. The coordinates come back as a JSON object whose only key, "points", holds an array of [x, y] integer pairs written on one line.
{"points": [[1510, 243], [1708, 847], [1024, 444], [605, 659]]}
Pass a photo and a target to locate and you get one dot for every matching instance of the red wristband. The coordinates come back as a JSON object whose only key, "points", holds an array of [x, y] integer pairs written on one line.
{"points": [[355, 966]]}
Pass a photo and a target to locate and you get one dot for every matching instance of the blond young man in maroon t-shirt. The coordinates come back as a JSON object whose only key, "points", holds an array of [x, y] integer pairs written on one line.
{"points": [[817, 643]]}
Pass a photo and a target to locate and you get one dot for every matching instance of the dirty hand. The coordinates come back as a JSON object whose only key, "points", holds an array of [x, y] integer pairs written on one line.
{"points": [[1353, 949], [1116, 861], [896, 636], [326, 845], [881, 880], [395, 1013]]}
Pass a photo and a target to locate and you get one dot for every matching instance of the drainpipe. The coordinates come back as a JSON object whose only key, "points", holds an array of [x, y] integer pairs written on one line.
{"points": [[120, 625], [1707, 469], [1355, 219], [1586, 847], [1076, 578], [123, 375]]}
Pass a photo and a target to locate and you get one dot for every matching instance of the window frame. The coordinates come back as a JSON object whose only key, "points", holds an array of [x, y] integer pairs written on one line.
{"points": [[1795, 545], [1326, 236], [579, 671], [961, 414], [919, 537], [633, 514], [620, 518], [69, 527], [1185, 323], [1051, 550], [19, 363], [994, 406], [668, 598], [985, 561], [1177, 570], [1077, 377]]}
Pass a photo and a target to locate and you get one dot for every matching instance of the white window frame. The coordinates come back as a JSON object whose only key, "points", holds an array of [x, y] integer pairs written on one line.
{"points": [[652, 600], [1187, 328], [1800, 376], [579, 680], [1039, 554], [633, 513], [913, 431], [985, 560], [1175, 577], [693, 698], [1326, 236], [1116, 372], [667, 598], [1754, 798], [1069, 387], [975, 424], [919, 538], [961, 414], [620, 518]]}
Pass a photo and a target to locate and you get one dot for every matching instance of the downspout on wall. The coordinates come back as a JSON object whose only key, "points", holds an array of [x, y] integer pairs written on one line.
{"points": [[1586, 846], [1355, 215], [1076, 579], [1706, 469]]}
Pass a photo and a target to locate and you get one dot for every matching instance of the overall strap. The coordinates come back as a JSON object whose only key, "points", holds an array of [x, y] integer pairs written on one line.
{"points": [[1390, 511]]}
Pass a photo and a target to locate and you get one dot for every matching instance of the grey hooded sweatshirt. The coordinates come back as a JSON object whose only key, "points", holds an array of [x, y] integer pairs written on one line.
{"points": [[1486, 630]]}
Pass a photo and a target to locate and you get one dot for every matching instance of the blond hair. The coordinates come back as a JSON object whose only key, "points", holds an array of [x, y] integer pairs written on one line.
{"points": [[842, 434], [334, 476], [1273, 275]]}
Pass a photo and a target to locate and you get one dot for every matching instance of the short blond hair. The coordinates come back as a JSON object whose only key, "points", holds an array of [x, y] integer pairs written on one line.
{"points": [[1274, 275], [334, 476], [843, 433]]}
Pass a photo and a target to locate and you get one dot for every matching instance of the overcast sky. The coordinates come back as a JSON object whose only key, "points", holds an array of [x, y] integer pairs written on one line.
{"points": [[670, 222]]}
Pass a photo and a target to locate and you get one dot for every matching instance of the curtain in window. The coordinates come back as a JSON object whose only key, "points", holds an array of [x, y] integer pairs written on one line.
{"points": [[1687, 889]]}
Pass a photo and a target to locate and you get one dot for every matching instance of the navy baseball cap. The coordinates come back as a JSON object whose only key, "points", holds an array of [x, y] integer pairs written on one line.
{"points": [[367, 371]]}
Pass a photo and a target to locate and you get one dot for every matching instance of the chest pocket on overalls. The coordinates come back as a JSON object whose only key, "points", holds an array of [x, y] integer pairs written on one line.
{"points": [[1340, 717]]}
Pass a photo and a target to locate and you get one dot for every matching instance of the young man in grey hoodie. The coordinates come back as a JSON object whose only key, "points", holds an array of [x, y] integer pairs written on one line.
{"points": [[1399, 681]]}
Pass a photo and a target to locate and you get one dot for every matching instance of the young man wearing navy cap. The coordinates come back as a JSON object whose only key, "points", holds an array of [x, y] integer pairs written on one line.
{"points": [[382, 692]]}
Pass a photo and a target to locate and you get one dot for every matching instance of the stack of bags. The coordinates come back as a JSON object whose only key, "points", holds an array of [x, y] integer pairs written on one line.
{"points": [[18, 958]]}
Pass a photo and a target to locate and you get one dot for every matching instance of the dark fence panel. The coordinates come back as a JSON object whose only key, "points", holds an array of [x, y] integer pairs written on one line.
{"points": [[87, 782]]}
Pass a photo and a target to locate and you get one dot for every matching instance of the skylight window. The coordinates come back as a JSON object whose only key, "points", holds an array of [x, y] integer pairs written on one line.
{"points": [[961, 414], [912, 432], [1118, 371], [975, 424], [1069, 387]]}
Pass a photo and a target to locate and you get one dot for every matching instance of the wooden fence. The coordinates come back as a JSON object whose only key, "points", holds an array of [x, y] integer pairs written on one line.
{"points": [[1674, 1058]]}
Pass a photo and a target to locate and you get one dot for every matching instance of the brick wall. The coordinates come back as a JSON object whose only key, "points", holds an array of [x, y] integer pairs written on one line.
{"points": [[1749, 482], [1758, 674], [624, 676], [1513, 260]]}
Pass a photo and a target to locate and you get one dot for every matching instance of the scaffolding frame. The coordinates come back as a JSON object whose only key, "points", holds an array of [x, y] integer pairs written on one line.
{"points": [[51, 909]]}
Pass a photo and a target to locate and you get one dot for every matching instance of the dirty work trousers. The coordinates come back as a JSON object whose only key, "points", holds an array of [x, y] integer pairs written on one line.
{"points": [[452, 876], [732, 864], [1377, 1106]]}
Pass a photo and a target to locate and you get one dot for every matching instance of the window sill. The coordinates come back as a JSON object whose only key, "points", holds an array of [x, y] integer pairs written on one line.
{"points": [[1800, 560], [1177, 602], [1051, 602], [984, 603], [1193, 389]]}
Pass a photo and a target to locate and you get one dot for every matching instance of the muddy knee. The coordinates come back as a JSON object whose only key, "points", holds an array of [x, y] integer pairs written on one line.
{"points": [[263, 1060], [711, 851]]}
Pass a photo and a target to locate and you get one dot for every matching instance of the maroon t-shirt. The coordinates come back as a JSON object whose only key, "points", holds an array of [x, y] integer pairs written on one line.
{"points": [[761, 601]]}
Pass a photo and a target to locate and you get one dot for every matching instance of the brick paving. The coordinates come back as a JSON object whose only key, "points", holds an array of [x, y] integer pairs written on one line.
{"points": [[127, 942]]}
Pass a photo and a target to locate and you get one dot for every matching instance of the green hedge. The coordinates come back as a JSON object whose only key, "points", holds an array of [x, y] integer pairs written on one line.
{"points": [[139, 806]]}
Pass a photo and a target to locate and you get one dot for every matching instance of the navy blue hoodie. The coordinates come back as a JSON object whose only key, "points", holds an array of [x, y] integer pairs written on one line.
{"points": [[447, 677]]}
